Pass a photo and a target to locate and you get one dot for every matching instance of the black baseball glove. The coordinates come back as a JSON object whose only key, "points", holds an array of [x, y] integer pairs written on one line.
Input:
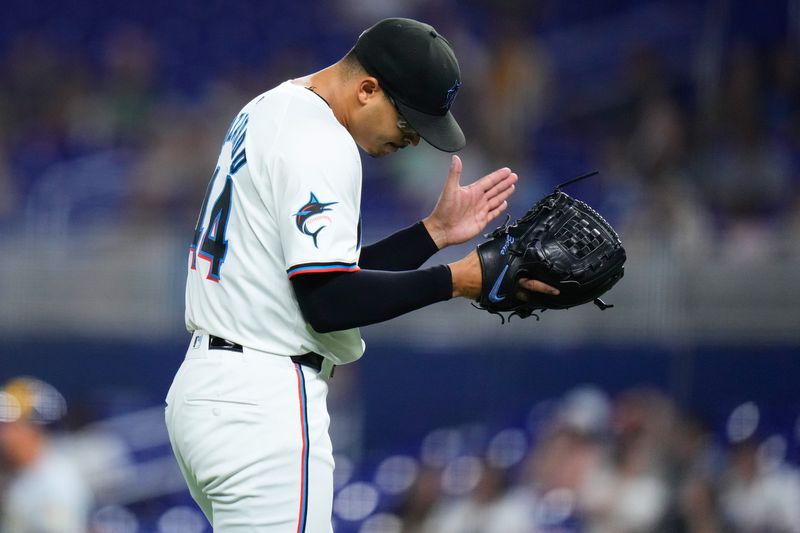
{"points": [[560, 241]]}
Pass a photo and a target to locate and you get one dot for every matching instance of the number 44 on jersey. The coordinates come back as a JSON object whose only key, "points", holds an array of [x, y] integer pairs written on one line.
{"points": [[211, 245]]}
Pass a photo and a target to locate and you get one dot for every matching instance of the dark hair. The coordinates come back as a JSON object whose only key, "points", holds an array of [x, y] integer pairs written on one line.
{"points": [[352, 66]]}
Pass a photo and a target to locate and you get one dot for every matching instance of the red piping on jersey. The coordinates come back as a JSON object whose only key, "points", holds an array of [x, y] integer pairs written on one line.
{"points": [[321, 270]]}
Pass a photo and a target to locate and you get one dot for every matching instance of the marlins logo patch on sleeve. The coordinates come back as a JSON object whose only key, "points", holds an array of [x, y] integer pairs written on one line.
{"points": [[309, 218]]}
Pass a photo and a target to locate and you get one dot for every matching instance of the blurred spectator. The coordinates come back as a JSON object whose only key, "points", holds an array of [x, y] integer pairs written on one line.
{"points": [[668, 208], [179, 150], [643, 418], [33, 116], [8, 196], [420, 500], [692, 469], [130, 62], [517, 78], [745, 173], [627, 492], [45, 492], [479, 512], [625, 496], [547, 498], [585, 409], [758, 497]]}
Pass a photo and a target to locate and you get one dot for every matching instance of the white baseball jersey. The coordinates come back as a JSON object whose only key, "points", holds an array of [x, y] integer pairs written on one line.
{"points": [[283, 201]]}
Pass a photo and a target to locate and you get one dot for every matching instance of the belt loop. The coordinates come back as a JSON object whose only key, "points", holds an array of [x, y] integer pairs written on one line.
{"points": [[218, 343], [328, 367]]}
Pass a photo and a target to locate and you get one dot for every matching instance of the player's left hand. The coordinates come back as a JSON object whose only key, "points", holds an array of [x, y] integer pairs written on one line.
{"points": [[462, 212]]}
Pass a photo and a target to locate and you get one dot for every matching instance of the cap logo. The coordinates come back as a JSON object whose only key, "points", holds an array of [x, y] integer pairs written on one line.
{"points": [[452, 92]]}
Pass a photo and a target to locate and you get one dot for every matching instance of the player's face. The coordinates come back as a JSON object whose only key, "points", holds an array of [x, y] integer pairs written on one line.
{"points": [[385, 130], [402, 124]]}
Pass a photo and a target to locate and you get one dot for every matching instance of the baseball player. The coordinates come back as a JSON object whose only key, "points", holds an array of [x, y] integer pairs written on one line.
{"points": [[278, 282]]}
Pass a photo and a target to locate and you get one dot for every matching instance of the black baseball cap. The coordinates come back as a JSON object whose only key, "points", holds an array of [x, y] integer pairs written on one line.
{"points": [[418, 68]]}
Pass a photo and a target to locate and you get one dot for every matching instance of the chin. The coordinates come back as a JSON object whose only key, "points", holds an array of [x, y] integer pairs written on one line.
{"points": [[383, 149], [382, 152]]}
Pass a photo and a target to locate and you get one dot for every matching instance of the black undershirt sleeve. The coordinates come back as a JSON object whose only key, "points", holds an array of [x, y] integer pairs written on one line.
{"points": [[343, 300], [407, 249]]}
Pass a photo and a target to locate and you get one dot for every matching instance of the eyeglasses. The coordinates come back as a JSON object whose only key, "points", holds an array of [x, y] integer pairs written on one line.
{"points": [[402, 124]]}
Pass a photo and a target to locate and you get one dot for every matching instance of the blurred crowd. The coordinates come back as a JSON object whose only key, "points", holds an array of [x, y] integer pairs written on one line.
{"points": [[697, 135], [630, 464], [115, 122], [588, 462]]}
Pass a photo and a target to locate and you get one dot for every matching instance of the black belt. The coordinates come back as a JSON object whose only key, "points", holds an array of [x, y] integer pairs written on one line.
{"points": [[310, 359]]}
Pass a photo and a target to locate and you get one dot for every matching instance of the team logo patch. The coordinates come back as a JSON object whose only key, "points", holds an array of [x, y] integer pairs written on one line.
{"points": [[309, 218], [452, 92]]}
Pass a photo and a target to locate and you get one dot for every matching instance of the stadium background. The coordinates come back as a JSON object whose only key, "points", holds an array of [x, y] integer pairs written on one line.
{"points": [[111, 115]]}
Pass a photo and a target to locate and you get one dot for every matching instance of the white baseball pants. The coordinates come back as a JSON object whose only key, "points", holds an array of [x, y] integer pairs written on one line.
{"points": [[250, 433]]}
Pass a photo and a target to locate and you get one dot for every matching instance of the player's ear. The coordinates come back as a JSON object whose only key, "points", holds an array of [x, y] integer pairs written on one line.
{"points": [[368, 88]]}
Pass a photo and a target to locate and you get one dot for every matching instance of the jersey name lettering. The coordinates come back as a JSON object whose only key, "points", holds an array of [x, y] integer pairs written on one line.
{"points": [[211, 244], [235, 135]]}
